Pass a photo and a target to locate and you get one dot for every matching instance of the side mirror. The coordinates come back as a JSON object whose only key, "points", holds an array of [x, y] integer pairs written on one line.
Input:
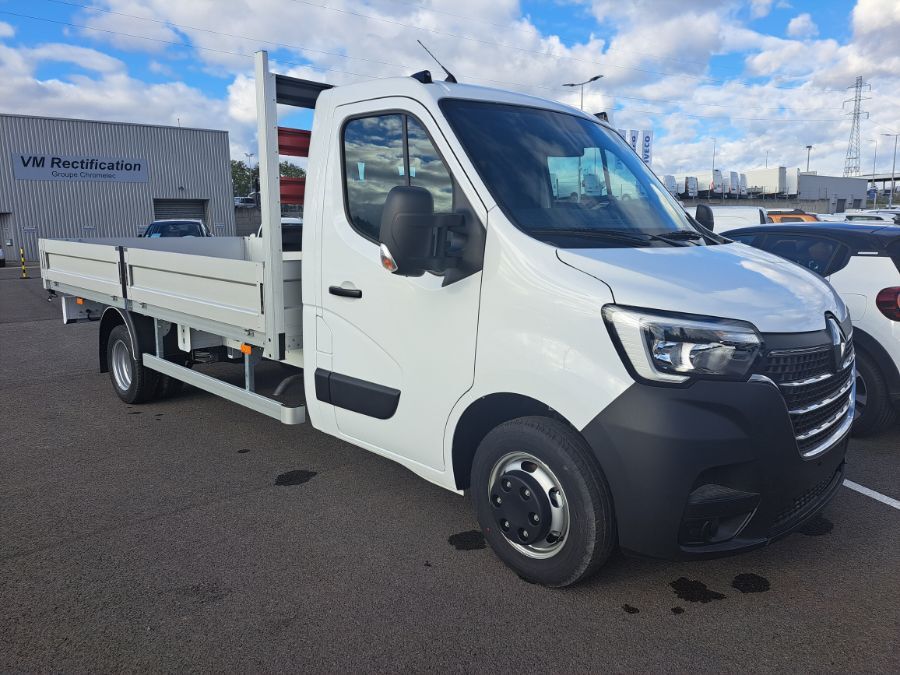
{"points": [[413, 238], [704, 216]]}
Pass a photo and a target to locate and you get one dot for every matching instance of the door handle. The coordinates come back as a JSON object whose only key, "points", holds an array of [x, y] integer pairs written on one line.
{"points": [[345, 292]]}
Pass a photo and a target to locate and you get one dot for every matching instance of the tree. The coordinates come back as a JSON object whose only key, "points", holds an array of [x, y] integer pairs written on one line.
{"points": [[245, 180], [288, 170], [242, 178]]}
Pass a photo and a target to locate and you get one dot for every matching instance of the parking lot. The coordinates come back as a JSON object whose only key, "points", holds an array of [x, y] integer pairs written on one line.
{"points": [[192, 533]]}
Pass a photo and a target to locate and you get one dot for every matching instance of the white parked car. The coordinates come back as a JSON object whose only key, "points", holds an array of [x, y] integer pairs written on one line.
{"points": [[862, 262]]}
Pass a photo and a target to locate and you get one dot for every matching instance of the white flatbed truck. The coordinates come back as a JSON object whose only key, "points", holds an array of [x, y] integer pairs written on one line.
{"points": [[595, 371]]}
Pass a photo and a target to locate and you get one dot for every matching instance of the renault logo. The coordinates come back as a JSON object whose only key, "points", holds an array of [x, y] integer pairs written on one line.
{"points": [[838, 343]]}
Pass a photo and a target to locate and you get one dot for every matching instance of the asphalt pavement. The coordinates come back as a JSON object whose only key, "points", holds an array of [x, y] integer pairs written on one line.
{"points": [[192, 534]]}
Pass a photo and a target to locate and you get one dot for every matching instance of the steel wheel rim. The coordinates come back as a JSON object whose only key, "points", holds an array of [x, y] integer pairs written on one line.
{"points": [[121, 365], [553, 543], [862, 396]]}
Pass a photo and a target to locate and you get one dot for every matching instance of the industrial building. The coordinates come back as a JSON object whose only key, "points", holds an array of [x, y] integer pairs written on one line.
{"points": [[840, 192], [64, 178]]}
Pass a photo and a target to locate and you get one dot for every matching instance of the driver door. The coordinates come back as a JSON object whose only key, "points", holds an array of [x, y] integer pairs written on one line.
{"points": [[402, 348]]}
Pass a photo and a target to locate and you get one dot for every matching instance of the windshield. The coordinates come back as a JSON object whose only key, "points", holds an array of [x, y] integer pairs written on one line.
{"points": [[566, 180], [175, 229]]}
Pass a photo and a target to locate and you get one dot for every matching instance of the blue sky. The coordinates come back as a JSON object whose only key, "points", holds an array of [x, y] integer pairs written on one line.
{"points": [[761, 76]]}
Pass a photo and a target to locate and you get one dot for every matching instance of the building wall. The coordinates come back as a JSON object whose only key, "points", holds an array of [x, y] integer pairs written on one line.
{"points": [[182, 164], [833, 189]]}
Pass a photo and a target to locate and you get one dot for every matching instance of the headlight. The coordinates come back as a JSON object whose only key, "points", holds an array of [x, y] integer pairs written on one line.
{"points": [[665, 348]]}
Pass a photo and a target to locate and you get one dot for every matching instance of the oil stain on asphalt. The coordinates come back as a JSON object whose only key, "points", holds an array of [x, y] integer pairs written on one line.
{"points": [[243, 451], [472, 540], [816, 527], [678, 610], [750, 583], [296, 477], [630, 609], [691, 590]]}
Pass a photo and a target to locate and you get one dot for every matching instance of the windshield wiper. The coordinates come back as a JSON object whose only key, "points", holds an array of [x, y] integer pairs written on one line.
{"points": [[678, 236], [596, 234], [636, 238]]}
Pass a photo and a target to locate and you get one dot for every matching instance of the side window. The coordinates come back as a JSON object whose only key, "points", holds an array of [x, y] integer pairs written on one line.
{"points": [[426, 168], [742, 238], [813, 253], [373, 164], [382, 152]]}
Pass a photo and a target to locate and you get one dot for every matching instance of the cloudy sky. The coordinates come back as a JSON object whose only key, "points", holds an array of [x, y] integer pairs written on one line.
{"points": [[760, 76]]}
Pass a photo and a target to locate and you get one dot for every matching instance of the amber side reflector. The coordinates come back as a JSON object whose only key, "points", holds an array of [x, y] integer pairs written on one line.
{"points": [[246, 349], [79, 301]]}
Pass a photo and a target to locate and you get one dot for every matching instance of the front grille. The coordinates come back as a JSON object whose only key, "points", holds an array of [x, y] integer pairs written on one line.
{"points": [[817, 397], [785, 366]]}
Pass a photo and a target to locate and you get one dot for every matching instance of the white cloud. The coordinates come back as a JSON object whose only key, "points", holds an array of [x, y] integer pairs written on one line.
{"points": [[760, 8], [658, 58], [89, 59], [802, 26], [6, 30]]}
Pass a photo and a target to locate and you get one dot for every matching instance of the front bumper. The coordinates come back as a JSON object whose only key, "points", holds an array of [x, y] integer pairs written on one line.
{"points": [[709, 469]]}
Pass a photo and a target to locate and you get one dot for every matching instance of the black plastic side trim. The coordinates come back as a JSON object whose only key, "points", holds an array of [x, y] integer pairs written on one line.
{"points": [[323, 385], [282, 348], [361, 396]]}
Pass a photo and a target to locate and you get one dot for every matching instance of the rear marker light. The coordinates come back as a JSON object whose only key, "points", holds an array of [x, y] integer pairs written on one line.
{"points": [[888, 302]]}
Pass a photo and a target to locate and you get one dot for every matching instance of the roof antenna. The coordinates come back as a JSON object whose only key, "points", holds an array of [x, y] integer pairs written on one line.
{"points": [[450, 77]]}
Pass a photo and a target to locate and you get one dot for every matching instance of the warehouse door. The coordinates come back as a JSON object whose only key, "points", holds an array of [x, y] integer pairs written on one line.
{"points": [[167, 209]]}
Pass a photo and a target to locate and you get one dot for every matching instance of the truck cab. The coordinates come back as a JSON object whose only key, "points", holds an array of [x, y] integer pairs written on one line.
{"points": [[592, 365]]}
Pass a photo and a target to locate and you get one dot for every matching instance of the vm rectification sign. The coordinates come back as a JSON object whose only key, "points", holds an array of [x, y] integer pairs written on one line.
{"points": [[79, 168]]}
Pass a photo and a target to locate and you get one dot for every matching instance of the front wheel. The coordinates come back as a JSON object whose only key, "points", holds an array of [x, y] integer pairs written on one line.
{"points": [[542, 501], [131, 380]]}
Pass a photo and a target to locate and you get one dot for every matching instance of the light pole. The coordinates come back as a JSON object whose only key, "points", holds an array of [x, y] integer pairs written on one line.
{"points": [[767, 159], [581, 84], [893, 171], [808, 148], [712, 178], [874, 159]]}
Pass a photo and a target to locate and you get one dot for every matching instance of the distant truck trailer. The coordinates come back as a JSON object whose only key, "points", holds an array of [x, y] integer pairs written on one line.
{"points": [[771, 181], [734, 184], [710, 183]]}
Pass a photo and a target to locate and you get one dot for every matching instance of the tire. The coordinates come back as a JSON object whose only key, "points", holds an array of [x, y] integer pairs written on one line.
{"points": [[167, 387], [536, 456], [874, 411], [132, 382]]}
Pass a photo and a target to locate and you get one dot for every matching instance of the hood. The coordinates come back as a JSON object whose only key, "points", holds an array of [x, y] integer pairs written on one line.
{"points": [[731, 281]]}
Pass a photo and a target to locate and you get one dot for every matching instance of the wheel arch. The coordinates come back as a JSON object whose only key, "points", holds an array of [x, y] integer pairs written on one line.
{"points": [[875, 350], [140, 330], [485, 414]]}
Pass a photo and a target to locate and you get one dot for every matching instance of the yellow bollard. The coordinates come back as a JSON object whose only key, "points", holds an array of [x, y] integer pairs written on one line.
{"points": [[22, 257]]}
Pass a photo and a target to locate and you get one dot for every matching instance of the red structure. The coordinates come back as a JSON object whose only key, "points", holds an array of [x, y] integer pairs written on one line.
{"points": [[294, 143]]}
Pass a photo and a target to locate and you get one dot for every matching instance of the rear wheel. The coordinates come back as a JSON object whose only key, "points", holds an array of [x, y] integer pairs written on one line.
{"points": [[542, 501], [133, 382], [874, 412]]}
